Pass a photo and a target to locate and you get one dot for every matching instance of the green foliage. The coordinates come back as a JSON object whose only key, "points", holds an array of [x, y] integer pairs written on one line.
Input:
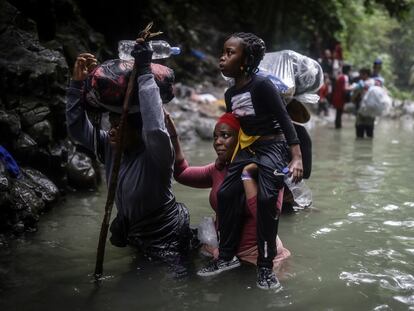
{"points": [[369, 32], [366, 28]]}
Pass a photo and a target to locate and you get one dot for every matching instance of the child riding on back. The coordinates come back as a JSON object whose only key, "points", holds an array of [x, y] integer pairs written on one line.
{"points": [[265, 137]]}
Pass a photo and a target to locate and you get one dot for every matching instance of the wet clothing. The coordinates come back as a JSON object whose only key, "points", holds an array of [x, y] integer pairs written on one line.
{"points": [[209, 176], [260, 109], [148, 215], [261, 112], [269, 156], [364, 125]]}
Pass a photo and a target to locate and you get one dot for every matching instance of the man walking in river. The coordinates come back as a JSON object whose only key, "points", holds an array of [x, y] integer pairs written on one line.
{"points": [[148, 215]]}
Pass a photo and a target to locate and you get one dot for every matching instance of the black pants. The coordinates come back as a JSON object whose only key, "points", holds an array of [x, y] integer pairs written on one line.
{"points": [[159, 235], [269, 156], [338, 118], [364, 125], [362, 129]]}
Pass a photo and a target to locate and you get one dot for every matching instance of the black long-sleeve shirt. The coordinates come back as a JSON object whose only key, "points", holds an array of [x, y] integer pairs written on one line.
{"points": [[260, 109]]}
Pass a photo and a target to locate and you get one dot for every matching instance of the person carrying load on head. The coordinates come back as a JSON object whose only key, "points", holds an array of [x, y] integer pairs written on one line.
{"points": [[148, 216], [268, 139]]}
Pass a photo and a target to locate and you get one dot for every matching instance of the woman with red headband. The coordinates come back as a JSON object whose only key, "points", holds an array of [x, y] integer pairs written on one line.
{"points": [[212, 175]]}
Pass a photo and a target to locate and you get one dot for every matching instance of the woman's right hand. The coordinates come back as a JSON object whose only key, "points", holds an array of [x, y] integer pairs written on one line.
{"points": [[169, 124], [84, 64]]}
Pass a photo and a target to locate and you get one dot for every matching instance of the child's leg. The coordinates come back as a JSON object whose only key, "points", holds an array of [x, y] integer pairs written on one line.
{"points": [[231, 202], [270, 157], [267, 215]]}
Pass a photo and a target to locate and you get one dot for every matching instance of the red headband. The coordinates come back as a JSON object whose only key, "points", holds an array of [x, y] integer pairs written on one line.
{"points": [[229, 119]]}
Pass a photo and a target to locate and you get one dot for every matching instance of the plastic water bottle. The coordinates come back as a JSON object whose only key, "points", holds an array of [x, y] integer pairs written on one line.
{"points": [[161, 49], [300, 191]]}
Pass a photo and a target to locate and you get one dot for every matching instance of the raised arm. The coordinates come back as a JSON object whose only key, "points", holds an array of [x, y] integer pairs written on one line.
{"points": [[78, 124], [154, 133], [277, 107], [192, 176]]}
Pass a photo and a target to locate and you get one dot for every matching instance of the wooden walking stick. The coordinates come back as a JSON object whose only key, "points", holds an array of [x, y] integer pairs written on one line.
{"points": [[113, 182]]}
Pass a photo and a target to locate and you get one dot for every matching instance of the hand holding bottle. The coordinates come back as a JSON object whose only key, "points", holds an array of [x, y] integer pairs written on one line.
{"points": [[160, 48], [142, 54]]}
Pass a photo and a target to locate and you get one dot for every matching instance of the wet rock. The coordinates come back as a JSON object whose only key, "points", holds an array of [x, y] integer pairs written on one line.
{"points": [[24, 148], [18, 227], [4, 189], [37, 41], [41, 132], [4, 181], [81, 173], [42, 186], [205, 128], [59, 161], [33, 115], [24, 196], [409, 107], [10, 126], [58, 117]]}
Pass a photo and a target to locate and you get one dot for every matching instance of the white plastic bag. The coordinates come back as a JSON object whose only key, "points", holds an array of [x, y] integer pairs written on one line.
{"points": [[207, 231], [280, 66], [374, 102], [302, 76]]}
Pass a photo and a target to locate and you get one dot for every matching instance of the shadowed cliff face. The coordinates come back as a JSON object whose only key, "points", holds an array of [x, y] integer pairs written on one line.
{"points": [[36, 45]]}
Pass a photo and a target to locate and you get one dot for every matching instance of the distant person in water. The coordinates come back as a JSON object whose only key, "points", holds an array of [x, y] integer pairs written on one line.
{"points": [[376, 72], [339, 94]]}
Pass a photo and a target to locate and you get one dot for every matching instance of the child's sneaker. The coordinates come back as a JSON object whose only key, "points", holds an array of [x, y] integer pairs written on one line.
{"points": [[219, 265], [266, 278]]}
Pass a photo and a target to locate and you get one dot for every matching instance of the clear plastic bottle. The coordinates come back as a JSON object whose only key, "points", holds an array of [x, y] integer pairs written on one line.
{"points": [[161, 49], [300, 191]]}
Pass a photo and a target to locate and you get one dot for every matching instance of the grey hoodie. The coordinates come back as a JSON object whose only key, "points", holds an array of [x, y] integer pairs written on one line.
{"points": [[148, 214]]}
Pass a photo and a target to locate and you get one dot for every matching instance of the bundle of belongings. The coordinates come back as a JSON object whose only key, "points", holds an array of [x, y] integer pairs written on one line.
{"points": [[374, 101], [297, 77], [106, 85]]}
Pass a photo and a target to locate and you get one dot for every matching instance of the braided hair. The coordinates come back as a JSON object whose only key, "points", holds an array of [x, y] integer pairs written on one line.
{"points": [[254, 50]]}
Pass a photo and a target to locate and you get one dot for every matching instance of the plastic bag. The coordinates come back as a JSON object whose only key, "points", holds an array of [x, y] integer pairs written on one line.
{"points": [[374, 102], [301, 75], [278, 66], [106, 85], [207, 232]]}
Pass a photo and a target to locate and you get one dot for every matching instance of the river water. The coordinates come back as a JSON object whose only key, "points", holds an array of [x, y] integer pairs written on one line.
{"points": [[353, 250]]}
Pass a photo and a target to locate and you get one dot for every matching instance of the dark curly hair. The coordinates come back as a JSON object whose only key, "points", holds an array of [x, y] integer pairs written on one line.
{"points": [[254, 50]]}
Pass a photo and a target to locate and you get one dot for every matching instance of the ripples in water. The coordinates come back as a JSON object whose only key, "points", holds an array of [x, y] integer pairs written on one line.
{"points": [[392, 280], [402, 223]]}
